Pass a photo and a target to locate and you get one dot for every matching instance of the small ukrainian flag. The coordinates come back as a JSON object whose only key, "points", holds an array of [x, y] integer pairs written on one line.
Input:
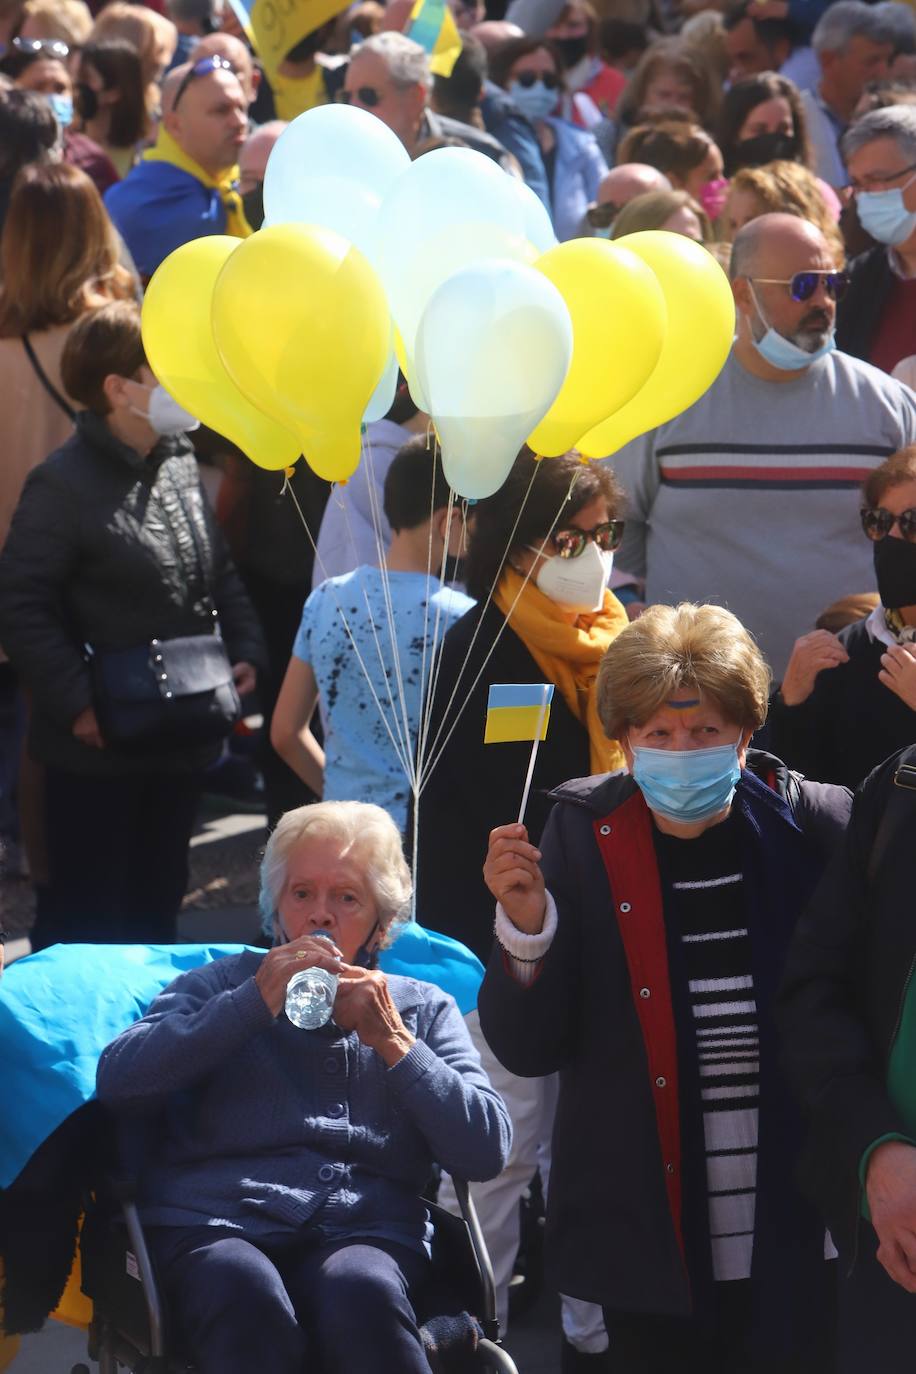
{"points": [[433, 26], [515, 710]]}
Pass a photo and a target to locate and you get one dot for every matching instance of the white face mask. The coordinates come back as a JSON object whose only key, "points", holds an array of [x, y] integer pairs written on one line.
{"points": [[576, 584], [165, 415]]}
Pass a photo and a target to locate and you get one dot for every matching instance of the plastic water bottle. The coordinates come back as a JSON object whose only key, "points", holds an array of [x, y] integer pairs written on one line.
{"points": [[310, 995]]}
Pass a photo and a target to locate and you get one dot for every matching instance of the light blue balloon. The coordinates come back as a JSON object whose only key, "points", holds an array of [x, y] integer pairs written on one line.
{"points": [[333, 166], [538, 228], [493, 349], [382, 398]]}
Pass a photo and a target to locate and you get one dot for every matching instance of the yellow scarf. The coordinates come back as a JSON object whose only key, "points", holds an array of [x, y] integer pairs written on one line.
{"points": [[167, 150], [568, 655]]}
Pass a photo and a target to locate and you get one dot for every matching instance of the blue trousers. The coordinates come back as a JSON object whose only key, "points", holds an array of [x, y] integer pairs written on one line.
{"points": [[291, 1304]]}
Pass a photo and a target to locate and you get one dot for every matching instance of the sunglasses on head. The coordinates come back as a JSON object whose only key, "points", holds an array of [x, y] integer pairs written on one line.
{"points": [[602, 216], [206, 66], [804, 284], [42, 47], [573, 541], [528, 79], [366, 95], [878, 523]]}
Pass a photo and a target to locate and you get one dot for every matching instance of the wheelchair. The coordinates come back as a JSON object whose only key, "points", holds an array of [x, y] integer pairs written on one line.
{"points": [[130, 1325]]}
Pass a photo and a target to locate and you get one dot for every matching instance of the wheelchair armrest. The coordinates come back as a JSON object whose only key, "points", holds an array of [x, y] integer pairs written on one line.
{"points": [[147, 1277], [488, 1318]]}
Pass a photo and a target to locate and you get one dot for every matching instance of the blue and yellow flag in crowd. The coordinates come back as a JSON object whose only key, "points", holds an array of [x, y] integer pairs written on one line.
{"points": [[433, 26], [517, 711]]}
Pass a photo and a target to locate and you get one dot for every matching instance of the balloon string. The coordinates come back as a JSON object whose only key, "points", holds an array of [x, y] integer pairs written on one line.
{"points": [[346, 625], [502, 628], [436, 653], [434, 684], [389, 608], [496, 578], [429, 566]]}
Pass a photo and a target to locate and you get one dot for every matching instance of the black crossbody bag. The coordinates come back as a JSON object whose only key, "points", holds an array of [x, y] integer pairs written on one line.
{"points": [[166, 693]]}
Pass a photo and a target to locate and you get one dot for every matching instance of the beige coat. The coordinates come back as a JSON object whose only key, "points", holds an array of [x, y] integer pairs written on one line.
{"points": [[32, 425]]}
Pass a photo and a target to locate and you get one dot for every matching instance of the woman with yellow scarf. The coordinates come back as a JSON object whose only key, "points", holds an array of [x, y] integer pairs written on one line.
{"points": [[543, 544]]}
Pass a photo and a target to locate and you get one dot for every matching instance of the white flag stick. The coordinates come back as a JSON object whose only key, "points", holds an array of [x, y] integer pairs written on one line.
{"points": [[545, 699]]}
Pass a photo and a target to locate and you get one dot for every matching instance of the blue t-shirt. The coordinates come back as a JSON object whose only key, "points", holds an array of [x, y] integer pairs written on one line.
{"points": [[361, 761]]}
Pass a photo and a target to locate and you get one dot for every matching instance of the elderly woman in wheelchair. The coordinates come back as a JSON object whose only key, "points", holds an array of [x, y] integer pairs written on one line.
{"points": [[283, 1198]]}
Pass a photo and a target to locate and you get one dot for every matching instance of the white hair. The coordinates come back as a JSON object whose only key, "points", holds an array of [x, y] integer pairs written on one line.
{"points": [[848, 19], [894, 121], [363, 830], [407, 62]]}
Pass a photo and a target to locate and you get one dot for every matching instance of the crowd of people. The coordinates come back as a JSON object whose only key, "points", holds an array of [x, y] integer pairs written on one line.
{"points": [[695, 1018]]}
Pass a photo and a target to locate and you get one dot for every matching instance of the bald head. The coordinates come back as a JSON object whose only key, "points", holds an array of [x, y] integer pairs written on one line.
{"points": [[234, 51], [777, 246], [206, 114], [631, 179], [492, 32]]}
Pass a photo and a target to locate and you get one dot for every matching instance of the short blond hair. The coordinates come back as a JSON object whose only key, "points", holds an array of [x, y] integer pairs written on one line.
{"points": [[362, 830], [670, 647], [69, 21]]}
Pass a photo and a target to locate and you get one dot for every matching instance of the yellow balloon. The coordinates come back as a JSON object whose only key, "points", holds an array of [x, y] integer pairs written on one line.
{"points": [[301, 322], [618, 318], [701, 326], [179, 343]]}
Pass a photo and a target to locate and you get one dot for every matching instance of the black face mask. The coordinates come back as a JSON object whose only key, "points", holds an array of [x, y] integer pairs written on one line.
{"points": [[86, 101], [253, 205], [754, 152], [572, 50], [895, 569]]}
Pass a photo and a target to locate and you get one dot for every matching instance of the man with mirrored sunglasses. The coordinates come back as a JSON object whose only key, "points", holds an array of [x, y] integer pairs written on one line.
{"points": [[750, 498], [877, 321], [186, 186]]}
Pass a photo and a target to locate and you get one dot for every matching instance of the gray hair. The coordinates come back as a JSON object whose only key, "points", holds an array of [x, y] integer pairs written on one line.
{"points": [[359, 827], [895, 121], [407, 62], [849, 19]]}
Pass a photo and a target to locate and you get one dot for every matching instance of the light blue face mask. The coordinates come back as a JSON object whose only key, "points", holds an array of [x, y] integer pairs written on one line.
{"points": [[62, 105], [535, 102], [604, 232], [687, 785], [781, 352], [884, 215]]}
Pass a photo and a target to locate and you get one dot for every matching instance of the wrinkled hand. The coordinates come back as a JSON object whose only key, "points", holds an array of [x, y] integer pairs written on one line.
{"points": [[891, 1188], [898, 672], [245, 677], [281, 963], [363, 1004], [512, 873], [86, 729], [812, 653]]}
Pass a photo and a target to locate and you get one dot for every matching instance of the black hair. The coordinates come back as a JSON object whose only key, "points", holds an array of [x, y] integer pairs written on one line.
{"points": [[415, 485], [619, 37], [118, 64], [548, 498], [28, 130], [769, 31], [403, 407], [458, 93]]}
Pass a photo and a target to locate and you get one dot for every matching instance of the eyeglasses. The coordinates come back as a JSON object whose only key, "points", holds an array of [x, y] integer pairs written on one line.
{"points": [[528, 79], [804, 284], [366, 95], [571, 542], [878, 523], [42, 47], [880, 179], [206, 66], [602, 216]]}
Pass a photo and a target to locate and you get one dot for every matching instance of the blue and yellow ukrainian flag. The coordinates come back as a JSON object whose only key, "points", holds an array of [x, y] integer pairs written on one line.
{"points": [[515, 709], [433, 26]]}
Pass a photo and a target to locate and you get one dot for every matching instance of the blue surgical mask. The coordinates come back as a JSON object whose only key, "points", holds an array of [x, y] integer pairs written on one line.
{"points": [[781, 352], [62, 105], [535, 102], [687, 785], [604, 232], [884, 215]]}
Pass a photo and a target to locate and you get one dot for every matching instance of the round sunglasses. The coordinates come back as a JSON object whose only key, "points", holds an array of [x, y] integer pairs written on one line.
{"points": [[528, 79], [804, 284], [366, 95], [42, 47], [878, 523], [571, 542]]}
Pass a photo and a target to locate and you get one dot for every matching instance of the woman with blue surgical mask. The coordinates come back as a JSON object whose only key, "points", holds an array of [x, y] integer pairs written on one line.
{"points": [[639, 951], [531, 70]]}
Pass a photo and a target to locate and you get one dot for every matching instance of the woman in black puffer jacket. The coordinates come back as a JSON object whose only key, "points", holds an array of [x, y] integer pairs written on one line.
{"points": [[113, 545]]}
